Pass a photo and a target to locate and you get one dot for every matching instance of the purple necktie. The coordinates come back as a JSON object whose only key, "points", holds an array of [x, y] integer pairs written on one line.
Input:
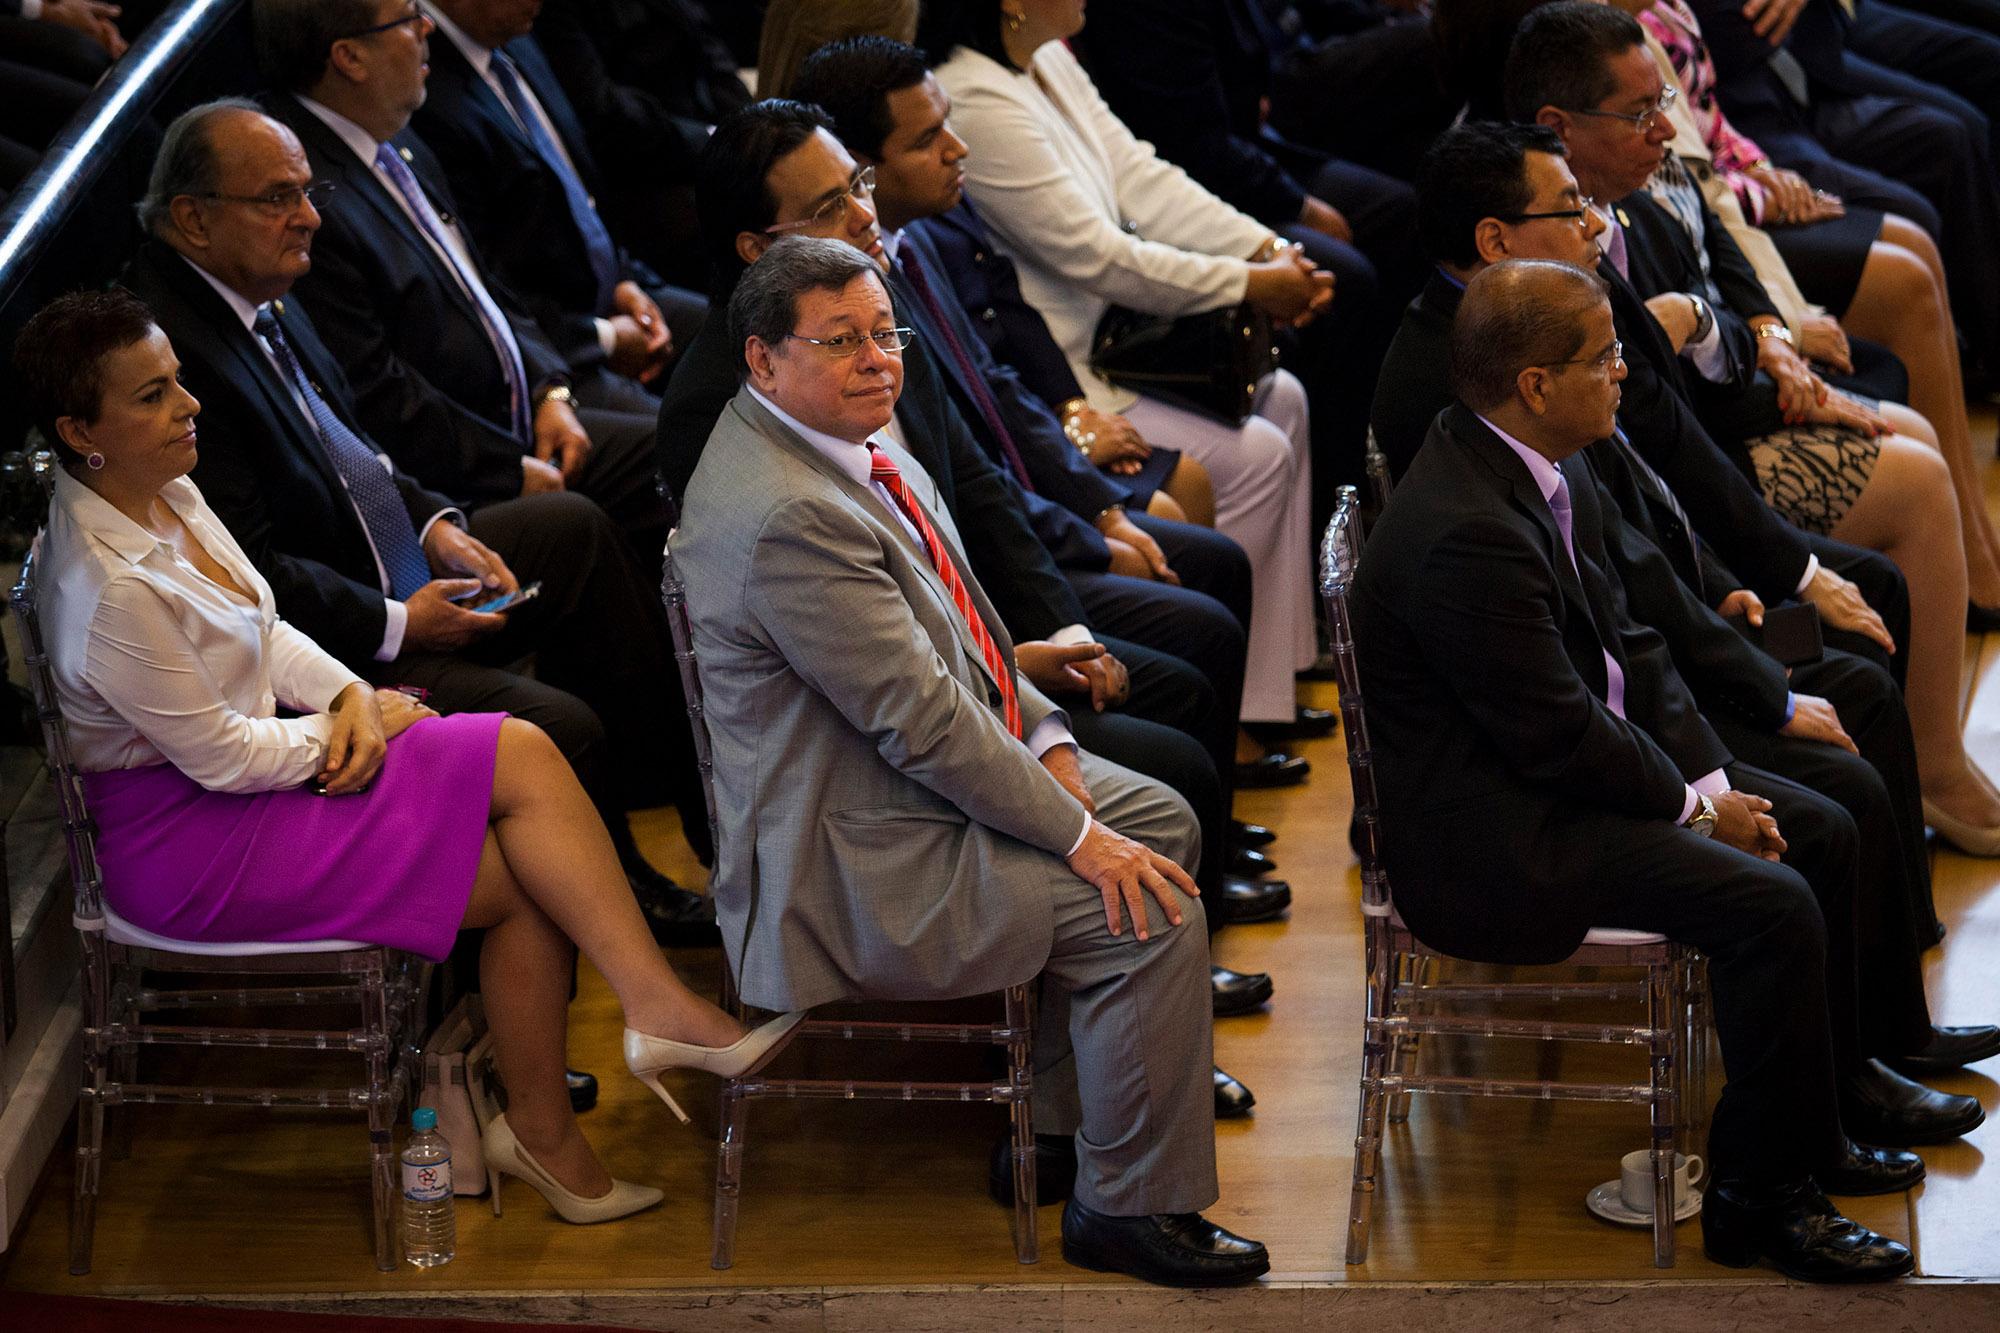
{"points": [[597, 243], [975, 383], [1614, 675]]}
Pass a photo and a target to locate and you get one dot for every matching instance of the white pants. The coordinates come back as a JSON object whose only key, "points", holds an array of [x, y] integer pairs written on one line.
{"points": [[1262, 472]]}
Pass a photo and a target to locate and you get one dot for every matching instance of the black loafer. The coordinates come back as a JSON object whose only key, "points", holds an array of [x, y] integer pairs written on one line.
{"points": [[1800, 1232], [1241, 901], [1055, 1170], [1273, 770], [1232, 1100], [1250, 835], [1250, 863], [1878, 1105], [1950, 1049], [582, 1090], [1864, 1170], [678, 918], [1238, 992], [1168, 1249]]}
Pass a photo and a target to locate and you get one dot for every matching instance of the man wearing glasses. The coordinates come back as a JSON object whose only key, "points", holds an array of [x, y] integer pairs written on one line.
{"points": [[921, 823]]}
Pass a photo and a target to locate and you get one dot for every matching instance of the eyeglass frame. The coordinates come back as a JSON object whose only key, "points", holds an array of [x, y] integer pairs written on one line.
{"points": [[861, 185], [312, 191], [1602, 361], [1644, 120], [1586, 205], [832, 347], [416, 15]]}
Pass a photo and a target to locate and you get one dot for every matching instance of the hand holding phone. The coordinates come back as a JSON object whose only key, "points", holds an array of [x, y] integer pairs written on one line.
{"points": [[507, 601]]}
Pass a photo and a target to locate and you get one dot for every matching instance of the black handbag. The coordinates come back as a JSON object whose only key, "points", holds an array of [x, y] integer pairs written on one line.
{"points": [[1210, 363]]}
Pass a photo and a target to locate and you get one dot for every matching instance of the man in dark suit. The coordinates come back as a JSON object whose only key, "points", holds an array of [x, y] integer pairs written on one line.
{"points": [[649, 80], [377, 569], [526, 182], [1520, 707], [448, 372]]}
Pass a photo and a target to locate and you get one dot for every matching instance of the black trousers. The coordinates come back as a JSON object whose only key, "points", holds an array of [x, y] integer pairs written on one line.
{"points": [[622, 471], [1372, 96], [1950, 65], [1883, 587]]}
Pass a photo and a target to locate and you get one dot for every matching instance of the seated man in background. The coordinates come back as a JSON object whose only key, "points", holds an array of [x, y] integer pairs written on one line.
{"points": [[1543, 770], [449, 374], [377, 569], [871, 730]]}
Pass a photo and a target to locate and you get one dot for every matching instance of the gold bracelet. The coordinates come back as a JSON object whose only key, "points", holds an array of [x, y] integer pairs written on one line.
{"points": [[1073, 407]]}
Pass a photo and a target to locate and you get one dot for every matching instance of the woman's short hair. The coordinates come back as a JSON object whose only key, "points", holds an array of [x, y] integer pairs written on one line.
{"points": [[765, 304], [1518, 313], [794, 29], [947, 25], [60, 354]]}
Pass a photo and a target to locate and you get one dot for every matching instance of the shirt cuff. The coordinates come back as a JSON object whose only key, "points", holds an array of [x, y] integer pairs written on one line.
{"points": [[1081, 834], [1708, 354], [1710, 784], [1068, 637], [395, 619], [1812, 569], [453, 516], [607, 337], [31, 9], [1047, 735], [1791, 707]]}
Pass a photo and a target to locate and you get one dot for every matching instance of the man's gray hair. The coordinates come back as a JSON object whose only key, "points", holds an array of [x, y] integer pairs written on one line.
{"points": [[294, 37], [187, 162], [1516, 314], [765, 304]]}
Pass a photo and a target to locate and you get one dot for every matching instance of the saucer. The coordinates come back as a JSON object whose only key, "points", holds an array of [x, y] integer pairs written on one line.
{"points": [[1608, 1202]]}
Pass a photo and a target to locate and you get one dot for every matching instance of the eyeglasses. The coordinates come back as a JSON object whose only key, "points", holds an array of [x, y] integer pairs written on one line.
{"points": [[1645, 120], [843, 345], [279, 203], [1580, 215], [416, 15], [833, 210], [1603, 361]]}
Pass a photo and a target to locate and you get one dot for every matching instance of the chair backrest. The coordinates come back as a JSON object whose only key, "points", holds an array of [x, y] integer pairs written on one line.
{"points": [[79, 831], [1376, 464], [673, 593], [1340, 556]]}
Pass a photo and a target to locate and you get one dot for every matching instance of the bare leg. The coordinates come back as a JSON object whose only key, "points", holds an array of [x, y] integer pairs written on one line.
{"points": [[1189, 487], [1162, 505], [1901, 304], [1907, 513]]}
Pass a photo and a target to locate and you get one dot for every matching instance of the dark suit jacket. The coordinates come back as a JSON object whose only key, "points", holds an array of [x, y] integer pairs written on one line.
{"points": [[989, 289], [1007, 552], [511, 201], [262, 466], [1485, 678], [426, 380], [1745, 82]]}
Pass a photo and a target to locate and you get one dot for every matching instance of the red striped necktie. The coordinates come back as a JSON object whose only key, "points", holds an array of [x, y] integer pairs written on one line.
{"points": [[881, 470]]}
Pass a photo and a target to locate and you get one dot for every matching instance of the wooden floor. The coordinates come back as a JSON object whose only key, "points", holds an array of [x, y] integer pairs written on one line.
{"points": [[892, 1195]]}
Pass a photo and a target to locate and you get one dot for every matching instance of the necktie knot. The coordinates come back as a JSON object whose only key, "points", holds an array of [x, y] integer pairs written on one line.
{"points": [[880, 468]]}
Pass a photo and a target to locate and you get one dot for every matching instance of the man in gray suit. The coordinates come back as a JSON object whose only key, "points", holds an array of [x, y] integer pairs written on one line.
{"points": [[904, 815]]}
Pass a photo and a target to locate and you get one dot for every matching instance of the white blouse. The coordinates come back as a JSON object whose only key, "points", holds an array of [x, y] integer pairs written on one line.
{"points": [[154, 662], [1057, 176]]}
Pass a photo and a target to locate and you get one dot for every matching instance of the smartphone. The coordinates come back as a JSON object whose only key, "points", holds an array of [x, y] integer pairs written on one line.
{"points": [[508, 601], [1789, 633]]}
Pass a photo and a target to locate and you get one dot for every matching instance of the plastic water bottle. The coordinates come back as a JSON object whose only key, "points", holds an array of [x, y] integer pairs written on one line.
{"points": [[430, 1233]]}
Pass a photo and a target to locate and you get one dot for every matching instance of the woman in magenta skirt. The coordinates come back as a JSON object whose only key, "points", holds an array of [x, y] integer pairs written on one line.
{"points": [[171, 665]]}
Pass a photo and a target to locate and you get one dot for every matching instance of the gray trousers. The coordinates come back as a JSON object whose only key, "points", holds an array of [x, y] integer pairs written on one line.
{"points": [[1123, 1038]]}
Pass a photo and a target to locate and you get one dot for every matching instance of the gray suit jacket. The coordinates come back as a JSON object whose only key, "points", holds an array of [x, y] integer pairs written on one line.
{"points": [[882, 836]]}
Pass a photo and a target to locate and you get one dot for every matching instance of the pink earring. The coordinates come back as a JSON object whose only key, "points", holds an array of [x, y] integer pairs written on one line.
{"points": [[95, 460]]}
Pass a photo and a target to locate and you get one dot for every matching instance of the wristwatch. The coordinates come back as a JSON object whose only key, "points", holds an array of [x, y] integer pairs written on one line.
{"points": [[557, 392], [1776, 329], [1704, 318], [1702, 821]]}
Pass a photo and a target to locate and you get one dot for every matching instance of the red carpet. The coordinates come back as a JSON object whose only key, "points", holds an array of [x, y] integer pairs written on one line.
{"points": [[29, 1312]]}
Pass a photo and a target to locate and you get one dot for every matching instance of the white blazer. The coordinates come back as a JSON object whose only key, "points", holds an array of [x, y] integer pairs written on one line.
{"points": [[1057, 177]]}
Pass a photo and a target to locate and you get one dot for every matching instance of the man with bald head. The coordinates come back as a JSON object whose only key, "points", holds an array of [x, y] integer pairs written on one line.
{"points": [[1518, 699]]}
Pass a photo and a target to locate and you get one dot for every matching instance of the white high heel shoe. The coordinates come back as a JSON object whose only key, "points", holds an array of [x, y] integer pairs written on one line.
{"points": [[1968, 838], [504, 1154], [649, 1057]]}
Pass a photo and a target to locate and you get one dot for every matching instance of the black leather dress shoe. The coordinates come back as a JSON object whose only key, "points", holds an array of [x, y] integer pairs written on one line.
{"points": [[1878, 1105], [1950, 1049], [1250, 835], [1238, 992], [1250, 863], [1055, 1169], [1799, 1231], [1241, 901], [1169, 1249], [1273, 770], [678, 918], [1232, 1100], [582, 1090], [1865, 1170]]}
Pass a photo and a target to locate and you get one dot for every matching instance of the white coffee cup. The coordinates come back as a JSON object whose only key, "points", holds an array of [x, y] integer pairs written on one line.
{"points": [[1635, 1179]]}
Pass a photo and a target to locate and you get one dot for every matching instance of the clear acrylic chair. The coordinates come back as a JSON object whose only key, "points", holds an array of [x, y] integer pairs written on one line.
{"points": [[1408, 999], [1013, 1032], [122, 964]]}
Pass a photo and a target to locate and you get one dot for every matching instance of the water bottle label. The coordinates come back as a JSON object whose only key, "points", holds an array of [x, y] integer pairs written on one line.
{"points": [[427, 1183]]}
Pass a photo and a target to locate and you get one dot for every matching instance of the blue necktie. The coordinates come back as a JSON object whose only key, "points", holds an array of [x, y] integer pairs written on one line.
{"points": [[490, 318], [368, 485], [597, 242]]}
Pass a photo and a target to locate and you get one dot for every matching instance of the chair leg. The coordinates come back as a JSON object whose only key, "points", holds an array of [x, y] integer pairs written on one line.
{"points": [[381, 1119], [1021, 1121], [1374, 1103], [89, 1161], [1405, 1049], [729, 1173], [1662, 1016]]}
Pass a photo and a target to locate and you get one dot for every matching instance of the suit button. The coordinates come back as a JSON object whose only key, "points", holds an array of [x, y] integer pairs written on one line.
{"points": [[978, 256], [989, 314]]}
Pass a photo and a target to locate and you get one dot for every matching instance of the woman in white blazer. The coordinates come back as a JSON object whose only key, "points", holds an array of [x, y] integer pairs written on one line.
{"points": [[1092, 217]]}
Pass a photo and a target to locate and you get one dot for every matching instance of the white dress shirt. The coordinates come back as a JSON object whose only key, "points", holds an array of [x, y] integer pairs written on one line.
{"points": [[154, 663], [852, 460], [395, 616]]}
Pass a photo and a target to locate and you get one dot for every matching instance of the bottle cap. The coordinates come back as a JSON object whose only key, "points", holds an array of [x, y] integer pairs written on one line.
{"points": [[423, 1118]]}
